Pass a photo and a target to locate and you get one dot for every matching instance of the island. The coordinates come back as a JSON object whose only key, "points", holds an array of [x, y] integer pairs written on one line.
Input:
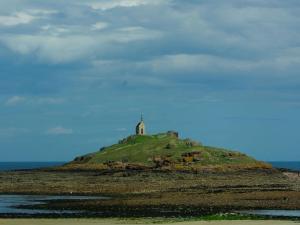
{"points": [[159, 175]]}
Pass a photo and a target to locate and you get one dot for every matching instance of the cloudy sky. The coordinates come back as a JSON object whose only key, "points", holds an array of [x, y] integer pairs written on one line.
{"points": [[76, 75]]}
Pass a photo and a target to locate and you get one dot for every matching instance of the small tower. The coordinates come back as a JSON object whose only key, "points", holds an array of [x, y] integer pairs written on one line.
{"points": [[140, 127]]}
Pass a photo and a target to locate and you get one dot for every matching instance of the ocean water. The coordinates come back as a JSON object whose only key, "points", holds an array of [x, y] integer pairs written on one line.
{"points": [[292, 165], [5, 166]]}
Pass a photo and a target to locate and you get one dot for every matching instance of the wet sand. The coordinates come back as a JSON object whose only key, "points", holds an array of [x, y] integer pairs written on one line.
{"points": [[132, 222]]}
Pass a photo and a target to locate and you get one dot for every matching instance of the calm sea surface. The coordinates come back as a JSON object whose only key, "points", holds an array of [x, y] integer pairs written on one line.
{"points": [[26, 165], [293, 165]]}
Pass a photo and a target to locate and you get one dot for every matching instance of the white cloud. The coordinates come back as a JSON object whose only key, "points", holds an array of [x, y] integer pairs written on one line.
{"points": [[185, 63], [48, 100], [51, 48], [59, 130], [70, 47], [24, 17], [109, 4], [41, 12], [136, 33], [206, 36], [15, 100], [51, 30], [99, 26], [196, 62], [121, 129], [12, 132], [16, 19]]}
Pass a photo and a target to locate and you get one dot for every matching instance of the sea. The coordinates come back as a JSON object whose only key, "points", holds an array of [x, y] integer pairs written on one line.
{"points": [[292, 165], [6, 166]]}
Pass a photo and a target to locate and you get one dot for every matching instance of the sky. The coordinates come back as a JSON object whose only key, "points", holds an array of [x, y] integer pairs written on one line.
{"points": [[76, 75]]}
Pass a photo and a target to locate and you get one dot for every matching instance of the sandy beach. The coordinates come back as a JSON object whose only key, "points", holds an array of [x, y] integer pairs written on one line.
{"points": [[140, 222]]}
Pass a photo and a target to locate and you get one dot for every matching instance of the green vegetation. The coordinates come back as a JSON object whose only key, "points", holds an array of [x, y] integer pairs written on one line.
{"points": [[213, 217], [230, 216], [166, 150]]}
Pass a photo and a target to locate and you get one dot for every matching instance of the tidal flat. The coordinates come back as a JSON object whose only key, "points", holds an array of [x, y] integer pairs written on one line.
{"points": [[140, 222], [156, 193]]}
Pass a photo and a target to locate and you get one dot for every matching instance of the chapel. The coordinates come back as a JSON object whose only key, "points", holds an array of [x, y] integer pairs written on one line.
{"points": [[140, 127]]}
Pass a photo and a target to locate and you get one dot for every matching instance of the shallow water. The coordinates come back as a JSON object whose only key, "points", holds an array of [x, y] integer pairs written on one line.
{"points": [[8, 205], [9, 202], [285, 213]]}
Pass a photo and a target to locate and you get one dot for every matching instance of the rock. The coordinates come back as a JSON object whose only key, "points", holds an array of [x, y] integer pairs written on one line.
{"points": [[127, 140], [191, 156], [161, 161], [191, 143], [103, 148], [83, 159], [173, 133]]}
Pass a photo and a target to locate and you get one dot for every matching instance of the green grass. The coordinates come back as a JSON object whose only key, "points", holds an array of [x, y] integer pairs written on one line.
{"points": [[230, 216], [214, 217], [142, 149]]}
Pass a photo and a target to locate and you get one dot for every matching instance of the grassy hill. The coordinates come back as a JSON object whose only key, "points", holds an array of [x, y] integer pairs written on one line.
{"points": [[164, 151]]}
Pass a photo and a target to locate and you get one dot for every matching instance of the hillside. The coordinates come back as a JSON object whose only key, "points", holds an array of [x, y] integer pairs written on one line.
{"points": [[164, 151]]}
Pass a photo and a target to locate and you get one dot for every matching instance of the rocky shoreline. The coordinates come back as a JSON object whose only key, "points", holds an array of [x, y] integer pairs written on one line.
{"points": [[155, 194]]}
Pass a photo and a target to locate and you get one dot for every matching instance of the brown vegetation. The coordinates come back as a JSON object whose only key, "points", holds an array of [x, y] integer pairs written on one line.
{"points": [[136, 191]]}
